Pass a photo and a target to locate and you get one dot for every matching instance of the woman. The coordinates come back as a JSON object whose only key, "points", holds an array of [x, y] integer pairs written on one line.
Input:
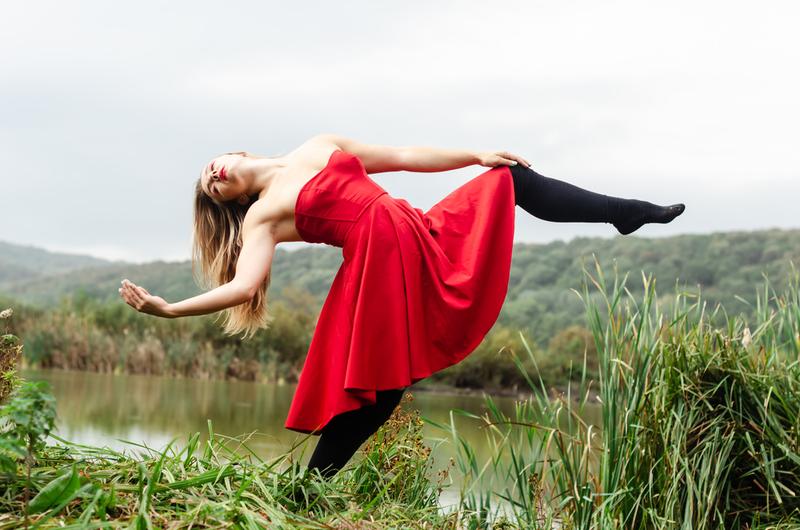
{"points": [[417, 291]]}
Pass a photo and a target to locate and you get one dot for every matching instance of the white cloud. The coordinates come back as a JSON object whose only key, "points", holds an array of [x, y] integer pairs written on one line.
{"points": [[108, 110]]}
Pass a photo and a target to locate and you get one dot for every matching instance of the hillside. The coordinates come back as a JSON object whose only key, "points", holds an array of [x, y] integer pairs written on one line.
{"points": [[311, 269], [25, 263], [723, 265]]}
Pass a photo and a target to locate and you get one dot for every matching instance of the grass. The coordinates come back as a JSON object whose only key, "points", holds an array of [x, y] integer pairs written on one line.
{"points": [[699, 430], [220, 483]]}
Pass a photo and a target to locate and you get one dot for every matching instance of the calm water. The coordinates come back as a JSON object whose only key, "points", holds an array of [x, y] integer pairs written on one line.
{"points": [[108, 409]]}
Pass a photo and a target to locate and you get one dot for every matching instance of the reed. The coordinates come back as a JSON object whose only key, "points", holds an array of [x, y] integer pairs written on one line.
{"points": [[700, 424]]}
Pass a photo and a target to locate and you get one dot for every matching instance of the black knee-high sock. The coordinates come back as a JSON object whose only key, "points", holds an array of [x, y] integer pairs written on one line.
{"points": [[345, 433], [555, 200]]}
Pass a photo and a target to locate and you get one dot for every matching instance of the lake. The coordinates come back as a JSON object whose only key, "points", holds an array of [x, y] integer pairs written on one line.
{"points": [[109, 409]]}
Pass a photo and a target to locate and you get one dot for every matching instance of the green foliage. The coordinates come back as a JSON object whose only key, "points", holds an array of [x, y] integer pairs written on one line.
{"points": [[46, 285], [12, 450], [490, 366], [221, 483], [30, 410], [20, 263], [78, 322], [10, 352], [27, 418], [699, 427], [27, 413], [397, 463], [539, 300], [60, 489], [565, 356], [724, 266], [84, 334]]}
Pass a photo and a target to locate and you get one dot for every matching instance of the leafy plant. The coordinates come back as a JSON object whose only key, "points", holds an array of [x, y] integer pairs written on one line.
{"points": [[10, 352], [26, 418]]}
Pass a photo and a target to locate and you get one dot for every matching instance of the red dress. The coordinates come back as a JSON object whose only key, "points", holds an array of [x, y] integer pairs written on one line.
{"points": [[417, 291]]}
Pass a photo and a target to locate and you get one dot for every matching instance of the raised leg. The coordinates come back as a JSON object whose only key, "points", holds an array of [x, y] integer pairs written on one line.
{"points": [[555, 200], [345, 433]]}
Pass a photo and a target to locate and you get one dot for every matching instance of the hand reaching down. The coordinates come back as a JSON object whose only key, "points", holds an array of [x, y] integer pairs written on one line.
{"points": [[139, 299]]}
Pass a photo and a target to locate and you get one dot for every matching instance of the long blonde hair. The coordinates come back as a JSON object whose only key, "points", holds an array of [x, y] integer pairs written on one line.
{"points": [[216, 243]]}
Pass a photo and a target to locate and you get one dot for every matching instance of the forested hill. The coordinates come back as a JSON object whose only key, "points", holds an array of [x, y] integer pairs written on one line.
{"points": [[20, 263], [724, 265]]}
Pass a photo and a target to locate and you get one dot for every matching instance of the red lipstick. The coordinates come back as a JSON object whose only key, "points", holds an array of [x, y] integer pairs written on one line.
{"points": [[222, 176]]}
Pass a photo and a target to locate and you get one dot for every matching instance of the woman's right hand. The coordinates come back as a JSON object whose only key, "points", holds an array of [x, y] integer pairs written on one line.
{"points": [[500, 158], [138, 298]]}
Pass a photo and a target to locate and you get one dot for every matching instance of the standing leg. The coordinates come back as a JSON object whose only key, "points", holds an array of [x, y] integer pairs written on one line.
{"points": [[345, 433], [555, 200]]}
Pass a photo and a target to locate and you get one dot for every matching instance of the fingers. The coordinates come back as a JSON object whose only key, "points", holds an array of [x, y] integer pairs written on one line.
{"points": [[504, 158], [516, 158], [132, 295], [140, 291], [128, 294], [512, 159]]}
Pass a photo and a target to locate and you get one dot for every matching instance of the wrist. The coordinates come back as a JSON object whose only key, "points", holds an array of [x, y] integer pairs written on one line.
{"points": [[171, 311]]}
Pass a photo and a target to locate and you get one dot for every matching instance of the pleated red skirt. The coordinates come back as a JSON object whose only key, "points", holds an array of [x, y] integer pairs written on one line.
{"points": [[417, 291]]}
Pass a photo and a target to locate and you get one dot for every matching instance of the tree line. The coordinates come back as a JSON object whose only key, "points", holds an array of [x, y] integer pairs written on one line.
{"points": [[75, 320]]}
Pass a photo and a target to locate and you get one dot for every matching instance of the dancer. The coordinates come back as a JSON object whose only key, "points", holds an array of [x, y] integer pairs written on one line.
{"points": [[416, 292]]}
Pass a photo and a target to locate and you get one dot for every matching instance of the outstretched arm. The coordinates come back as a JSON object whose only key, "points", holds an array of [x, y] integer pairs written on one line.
{"points": [[381, 158], [252, 267]]}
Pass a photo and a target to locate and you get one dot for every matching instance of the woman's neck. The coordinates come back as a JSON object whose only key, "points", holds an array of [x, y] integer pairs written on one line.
{"points": [[261, 173]]}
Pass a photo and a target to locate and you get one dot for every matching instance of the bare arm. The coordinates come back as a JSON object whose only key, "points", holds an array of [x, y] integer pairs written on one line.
{"points": [[381, 158], [252, 268]]}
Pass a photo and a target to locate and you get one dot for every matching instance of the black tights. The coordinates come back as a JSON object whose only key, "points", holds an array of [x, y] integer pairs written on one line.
{"points": [[345, 433], [555, 200], [542, 197]]}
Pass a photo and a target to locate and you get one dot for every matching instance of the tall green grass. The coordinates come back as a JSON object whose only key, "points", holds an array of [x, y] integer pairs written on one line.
{"points": [[700, 425], [220, 483]]}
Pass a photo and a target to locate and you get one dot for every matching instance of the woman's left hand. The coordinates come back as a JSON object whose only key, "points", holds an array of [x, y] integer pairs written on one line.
{"points": [[500, 158], [139, 299]]}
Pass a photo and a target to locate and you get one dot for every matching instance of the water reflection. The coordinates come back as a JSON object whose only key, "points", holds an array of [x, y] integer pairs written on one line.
{"points": [[107, 409], [103, 408]]}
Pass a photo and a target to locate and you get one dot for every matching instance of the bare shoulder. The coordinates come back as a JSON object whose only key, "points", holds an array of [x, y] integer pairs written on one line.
{"points": [[316, 150], [376, 158]]}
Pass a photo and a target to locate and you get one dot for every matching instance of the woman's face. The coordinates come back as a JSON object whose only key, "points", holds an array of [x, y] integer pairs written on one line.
{"points": [[221, 178]]}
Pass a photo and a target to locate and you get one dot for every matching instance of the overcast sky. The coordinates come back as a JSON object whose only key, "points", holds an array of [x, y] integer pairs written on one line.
{"points": [[108, 110]]}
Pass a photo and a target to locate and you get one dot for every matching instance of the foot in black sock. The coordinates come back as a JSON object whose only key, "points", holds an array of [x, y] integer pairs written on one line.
{"points": [[633, 214]]}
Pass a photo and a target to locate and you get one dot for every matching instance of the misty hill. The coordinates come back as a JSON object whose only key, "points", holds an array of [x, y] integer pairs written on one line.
{"points": [[311, 269], [540, 299], [21, 263]]}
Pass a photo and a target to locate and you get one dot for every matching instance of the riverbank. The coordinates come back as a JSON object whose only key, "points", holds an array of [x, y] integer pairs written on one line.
{"points": [[573, 390], [427, 386]]}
